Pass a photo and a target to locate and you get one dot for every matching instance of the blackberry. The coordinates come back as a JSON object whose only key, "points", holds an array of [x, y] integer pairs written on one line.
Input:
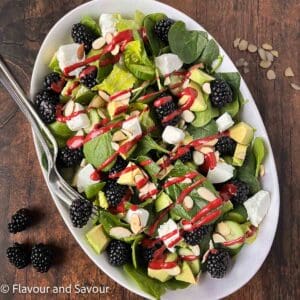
{"points": [[41, 257], [242, 192], [80, 212], [187, 156], [225, 146], [47, 112], [88, 76], [82, 35], [18, 256], [47, 96], [194, 237], [162, 27], [166, 109], [221, 93], [119, 165], [19, 221], [54, 82], [69, 157], [114, 192], [118, 253], [217, 263], [147, 253]]}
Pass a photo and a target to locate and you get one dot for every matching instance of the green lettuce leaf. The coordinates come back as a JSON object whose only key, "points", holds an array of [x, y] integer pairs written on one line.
{"points": [[91, 24]]}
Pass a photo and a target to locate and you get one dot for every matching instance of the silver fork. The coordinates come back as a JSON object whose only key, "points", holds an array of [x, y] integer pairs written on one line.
{"points": [[49, 145]]}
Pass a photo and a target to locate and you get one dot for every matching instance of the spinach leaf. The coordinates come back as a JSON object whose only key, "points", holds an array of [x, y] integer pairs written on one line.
{"points": [[149, 22], [91, 24], [207, 130], [210, 53], [109, 221], [174, 284], [232, 108], [98, 150], [134, 251], [232, 78], [180, 212], [202, 118], [173, 191], [179, 169], [259, 151], [152, 169], [188, 45], [147, 144]]}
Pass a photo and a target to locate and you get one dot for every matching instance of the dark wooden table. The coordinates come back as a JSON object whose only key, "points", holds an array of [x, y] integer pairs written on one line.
{"points": [[23, 26]]}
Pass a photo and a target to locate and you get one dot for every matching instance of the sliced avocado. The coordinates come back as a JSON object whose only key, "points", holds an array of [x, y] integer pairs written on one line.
{"points": [[94, 119], [60, 129], [235, 231], [195, 266], [186, 274], [162, 201], [92, 190], [200, 77], [238, 214], [239, 155], [171, 257], [252, 238], [102, 200], [160, 274], [71, 84], [128, 178], [199, 103], [242, 133], [97, 238], [114, 108], [129, 152], [84, 95]]}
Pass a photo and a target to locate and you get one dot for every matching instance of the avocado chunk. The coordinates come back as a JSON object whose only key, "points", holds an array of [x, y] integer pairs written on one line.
{"points": [[84, 95], [128, 178], [102, 200], [186, 274], [239, 155], [246, 227], [97, 238], [70, 90], [171, 257], [242, 133], [199, 103], [200, 77], [162, 202], [92, 190], [238, 214], [117, 108], [60, 129], [94, 119], [160, 274], [193, 264], [231, 231]]}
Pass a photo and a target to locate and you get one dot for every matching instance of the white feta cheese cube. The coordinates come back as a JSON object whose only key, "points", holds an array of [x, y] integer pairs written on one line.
{"points": [[224, 122], [221, 173], [166, 228], [168, 63], [257, 207], [142, 213], [84, 177], [107, 23], [172, 135], [133, 126], [67, 56]]}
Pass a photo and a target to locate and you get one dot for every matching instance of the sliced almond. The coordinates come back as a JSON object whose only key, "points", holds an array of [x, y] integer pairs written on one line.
{"points": [[103, 95], [69, 108], [188, 203], [265, 64], [167, 80], [236, 42], [246, 64], [198, 158], [135, 223], [243, 45], [206, 194], [271, 75], [138, 177], [295, 86], [240, 62], [127, 133], [267, 46], [119, 136], [188, 116], [262, 171], [120, 232], [223, 229], [269, 56], [185, 83], [246, 70], [123, 96], [275, 53], [108, 38], [289, 72], [262, 54], [98, 43], [83, 163], [116, 50], [218, 238], [80, 52], [252, 48], [211, 142], [195, 249], [96, 102], [187, 181], [135, 113], [115, 146], [173, 271], [206, 88], [206, 150], [101, 113]]}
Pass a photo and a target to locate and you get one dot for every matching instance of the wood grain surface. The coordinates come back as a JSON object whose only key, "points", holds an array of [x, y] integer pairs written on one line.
{"points": [[23, 26]]}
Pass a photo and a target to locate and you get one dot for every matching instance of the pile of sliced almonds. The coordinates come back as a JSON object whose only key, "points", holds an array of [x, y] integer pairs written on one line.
{"points": [[267, 56]]}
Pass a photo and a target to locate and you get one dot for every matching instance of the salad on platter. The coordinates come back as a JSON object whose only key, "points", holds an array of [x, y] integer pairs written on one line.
{"points": [[149, 132]]}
